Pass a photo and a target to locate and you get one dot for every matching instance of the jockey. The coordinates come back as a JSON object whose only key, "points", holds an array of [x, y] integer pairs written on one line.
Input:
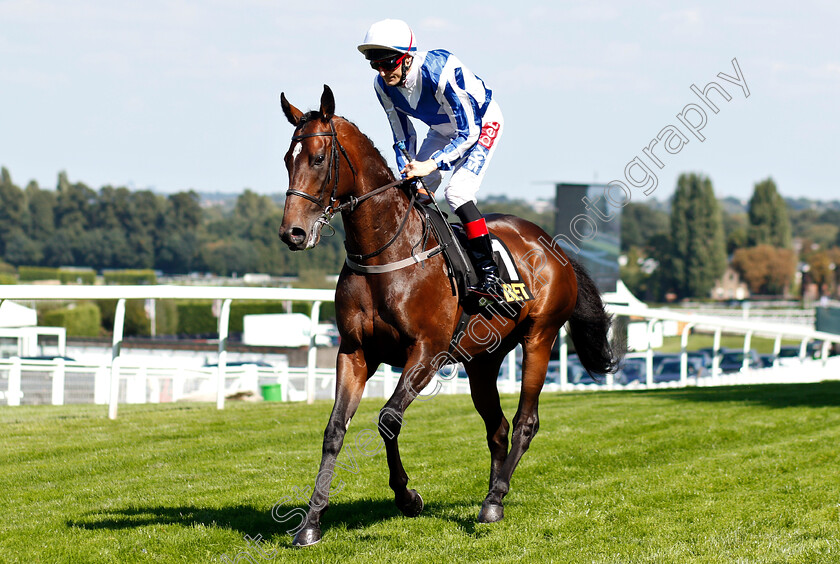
{"points": [[464, 128]]}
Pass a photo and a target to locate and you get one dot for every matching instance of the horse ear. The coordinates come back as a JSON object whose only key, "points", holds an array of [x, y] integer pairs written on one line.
{"points": [[327, 104], [293, 114]]}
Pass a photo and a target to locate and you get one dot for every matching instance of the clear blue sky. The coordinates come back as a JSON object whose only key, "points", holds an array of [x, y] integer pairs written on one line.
{"points": [[181, 94]]}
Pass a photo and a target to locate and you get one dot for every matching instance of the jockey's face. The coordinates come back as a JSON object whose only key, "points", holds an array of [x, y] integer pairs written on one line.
{"points": [[394, 77]]}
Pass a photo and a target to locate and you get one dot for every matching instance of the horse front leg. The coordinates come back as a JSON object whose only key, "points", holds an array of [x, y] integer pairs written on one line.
{"points": [[416, 375], [352, 372]]}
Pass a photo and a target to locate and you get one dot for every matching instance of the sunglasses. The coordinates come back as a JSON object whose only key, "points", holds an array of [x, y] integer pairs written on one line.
{"points": [[388, 63]]}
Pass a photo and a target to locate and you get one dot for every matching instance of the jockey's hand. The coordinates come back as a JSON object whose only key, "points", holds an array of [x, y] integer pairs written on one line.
{"points": [[419, 168]]}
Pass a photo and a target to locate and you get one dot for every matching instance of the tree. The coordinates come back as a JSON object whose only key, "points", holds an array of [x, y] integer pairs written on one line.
{"points": [[12, 210], [766, 269], [42, 205], [639, 223], [697, 257], [822, 267], [768, 215], [73, 209]]}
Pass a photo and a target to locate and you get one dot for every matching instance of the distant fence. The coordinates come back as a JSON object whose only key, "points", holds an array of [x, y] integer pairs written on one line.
{"points": [[804, 317], [121, 382]]}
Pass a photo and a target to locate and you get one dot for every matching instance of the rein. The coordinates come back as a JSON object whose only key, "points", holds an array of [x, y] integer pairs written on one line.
{"points": [[331, 209]]}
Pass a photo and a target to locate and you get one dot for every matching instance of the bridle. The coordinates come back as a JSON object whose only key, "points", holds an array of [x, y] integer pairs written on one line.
{"points": [[334, 207], [330, 209]]}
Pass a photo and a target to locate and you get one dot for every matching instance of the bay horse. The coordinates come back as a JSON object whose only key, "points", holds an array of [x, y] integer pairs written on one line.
{"points": [[406, 315]]}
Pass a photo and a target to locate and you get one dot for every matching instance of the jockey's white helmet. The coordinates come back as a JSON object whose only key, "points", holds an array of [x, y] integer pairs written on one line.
{"points": [[390, 35]]}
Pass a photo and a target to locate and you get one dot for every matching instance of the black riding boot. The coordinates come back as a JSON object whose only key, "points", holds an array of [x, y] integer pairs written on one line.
{"points": [[481, 255], [481, 252]]}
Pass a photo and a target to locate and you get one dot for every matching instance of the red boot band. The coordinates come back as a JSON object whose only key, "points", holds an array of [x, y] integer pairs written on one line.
{"points": [[476, 228]]}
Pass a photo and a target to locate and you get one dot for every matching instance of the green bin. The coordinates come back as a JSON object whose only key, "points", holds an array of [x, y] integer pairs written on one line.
{"points": [[272, 392]]}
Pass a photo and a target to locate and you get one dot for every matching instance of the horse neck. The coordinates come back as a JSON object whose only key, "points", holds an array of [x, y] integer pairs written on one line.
{"points": [[375, 221]]}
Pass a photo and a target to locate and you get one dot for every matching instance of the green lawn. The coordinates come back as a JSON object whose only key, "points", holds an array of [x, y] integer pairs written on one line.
{"points": [[762, 345], [736, 474]]}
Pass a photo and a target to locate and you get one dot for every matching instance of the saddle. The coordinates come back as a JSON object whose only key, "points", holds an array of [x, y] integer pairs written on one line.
{"points": [[453, 239]]}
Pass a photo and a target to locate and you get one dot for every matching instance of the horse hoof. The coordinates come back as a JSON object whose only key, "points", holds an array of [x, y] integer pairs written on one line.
{"points": [[490, 513], [307, 537], [415, 505]]}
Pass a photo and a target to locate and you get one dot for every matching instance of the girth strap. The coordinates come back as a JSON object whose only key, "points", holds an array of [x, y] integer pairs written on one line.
{"points": [[392, 266]]}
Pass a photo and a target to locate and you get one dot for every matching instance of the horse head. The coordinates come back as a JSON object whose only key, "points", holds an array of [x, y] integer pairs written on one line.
{"points": [[314, 161]]}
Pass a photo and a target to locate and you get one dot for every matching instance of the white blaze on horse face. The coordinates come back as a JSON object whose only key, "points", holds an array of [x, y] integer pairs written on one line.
{"points": [[296, 151]]}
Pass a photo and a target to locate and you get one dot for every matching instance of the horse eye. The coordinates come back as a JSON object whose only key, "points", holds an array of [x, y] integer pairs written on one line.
{"points": [[318, 160]]}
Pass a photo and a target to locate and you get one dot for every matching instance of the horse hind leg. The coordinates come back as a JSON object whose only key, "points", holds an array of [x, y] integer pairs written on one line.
{"points": [[526, 422], [483, 373]]}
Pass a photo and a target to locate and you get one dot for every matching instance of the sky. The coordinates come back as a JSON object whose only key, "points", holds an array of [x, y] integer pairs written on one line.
{"points": [[181, 94]]}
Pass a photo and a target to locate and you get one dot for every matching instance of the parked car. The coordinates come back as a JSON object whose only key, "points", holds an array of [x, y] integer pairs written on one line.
{"points": [[576, 373], [733, 361], [670, 370], [631, 370], [766, 360], [702, 360]]}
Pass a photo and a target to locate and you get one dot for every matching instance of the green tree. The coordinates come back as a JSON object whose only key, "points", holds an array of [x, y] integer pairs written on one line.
{"points": [[41, 205], [698, 250], [73, 209], [12, 210], [768, 215], [639, 223]]}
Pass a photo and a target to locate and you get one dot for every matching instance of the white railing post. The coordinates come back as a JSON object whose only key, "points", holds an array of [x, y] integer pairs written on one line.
{"points": [[116, 347], [564, 360], [716, 357], [14, 393], [684, 354], [745, 365], [777, 348], [803, 349], [649, 353], [58, 382], [824, 353], [224, 325], [312, 354]]}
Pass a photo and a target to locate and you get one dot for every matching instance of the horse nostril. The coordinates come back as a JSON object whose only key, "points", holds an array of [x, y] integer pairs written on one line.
{"points": [[297, 235]]}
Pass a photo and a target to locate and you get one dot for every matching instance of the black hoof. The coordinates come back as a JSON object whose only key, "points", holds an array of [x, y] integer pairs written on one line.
{"points": [[414, 507], [490, 513], [307, 537]]}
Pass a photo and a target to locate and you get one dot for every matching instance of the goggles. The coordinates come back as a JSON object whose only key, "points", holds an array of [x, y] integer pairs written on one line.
{"points": [[388, 63]]}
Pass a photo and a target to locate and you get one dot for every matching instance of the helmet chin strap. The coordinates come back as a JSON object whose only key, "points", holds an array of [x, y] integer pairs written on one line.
{"points": [[405, 66]]}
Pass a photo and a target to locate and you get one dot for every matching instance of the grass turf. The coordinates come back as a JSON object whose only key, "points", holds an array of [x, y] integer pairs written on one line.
{"points": [[733, 474]]}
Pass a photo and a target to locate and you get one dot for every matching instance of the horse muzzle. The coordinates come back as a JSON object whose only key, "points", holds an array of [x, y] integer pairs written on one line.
{"points": [[298, 239]]}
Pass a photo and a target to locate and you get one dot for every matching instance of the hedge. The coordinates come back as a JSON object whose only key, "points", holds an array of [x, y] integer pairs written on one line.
{"points": [[7, 279], [132, 277], [34, 273], [77, 276], [196, 318], [83, 320]]}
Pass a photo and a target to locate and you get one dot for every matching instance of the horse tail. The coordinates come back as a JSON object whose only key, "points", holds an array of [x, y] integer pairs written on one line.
{"points": [[589, 326]]}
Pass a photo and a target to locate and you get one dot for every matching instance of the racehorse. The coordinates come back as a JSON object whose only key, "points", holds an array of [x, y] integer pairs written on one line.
{"points": [[406, 315]]}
